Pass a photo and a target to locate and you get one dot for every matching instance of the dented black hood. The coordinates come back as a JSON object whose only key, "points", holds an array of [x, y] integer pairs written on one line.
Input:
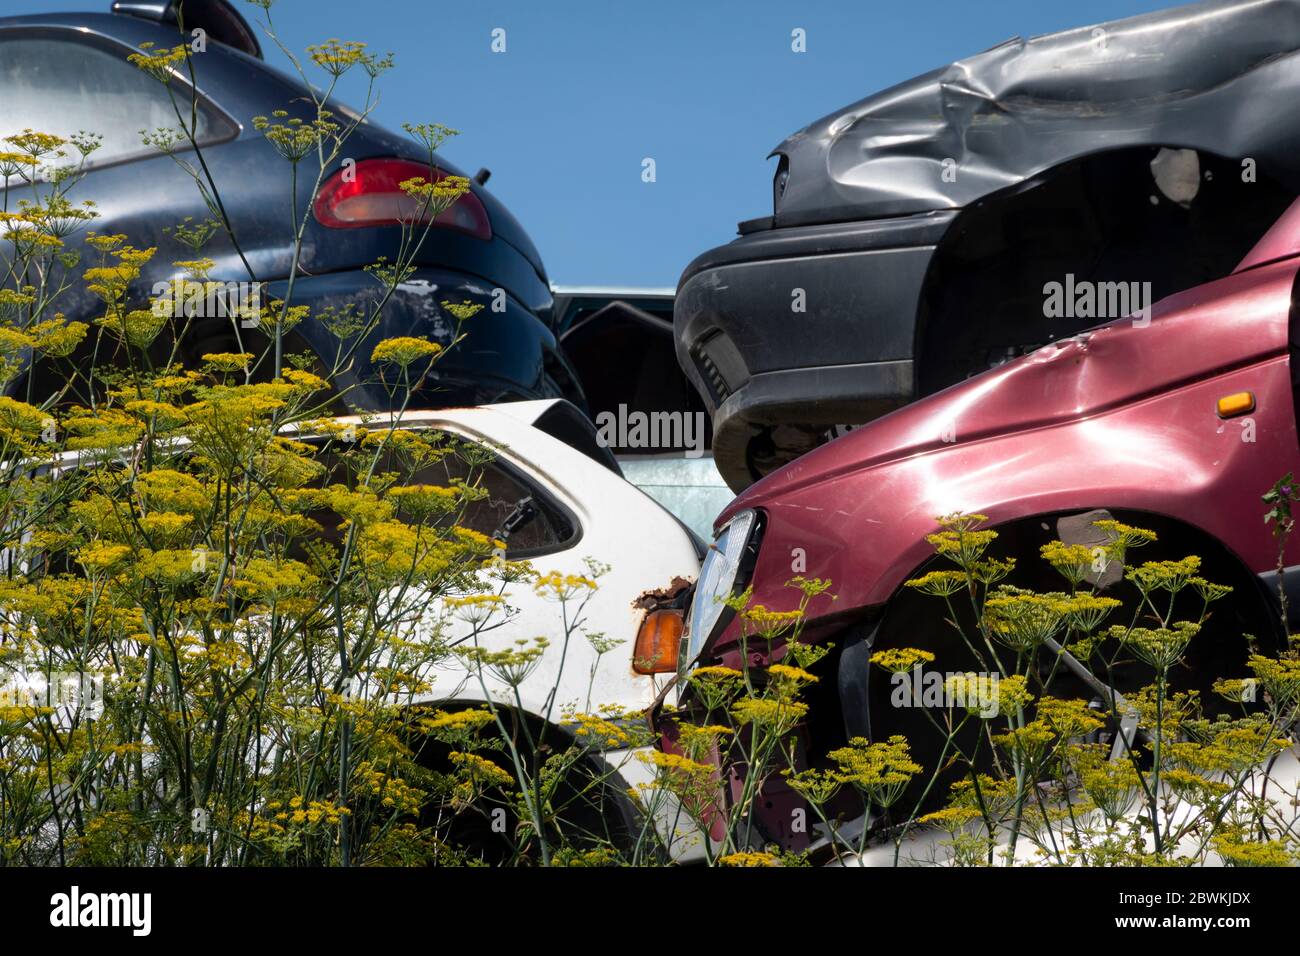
{"points": [[1222, 77]]}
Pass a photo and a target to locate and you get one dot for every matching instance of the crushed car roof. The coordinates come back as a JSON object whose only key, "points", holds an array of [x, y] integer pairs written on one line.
{"points": [[1216, 76]]}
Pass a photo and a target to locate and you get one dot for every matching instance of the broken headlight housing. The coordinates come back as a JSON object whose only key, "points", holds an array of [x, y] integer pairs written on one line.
{"points": [[725, 572], [779, 182]]}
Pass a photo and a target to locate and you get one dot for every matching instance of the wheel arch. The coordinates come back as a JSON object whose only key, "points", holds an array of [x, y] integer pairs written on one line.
{"points": [[1170, 530], [1254, 607], [540, 729]]}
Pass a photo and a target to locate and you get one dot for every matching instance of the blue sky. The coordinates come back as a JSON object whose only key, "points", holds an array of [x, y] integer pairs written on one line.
{"points": [[587, 89]]}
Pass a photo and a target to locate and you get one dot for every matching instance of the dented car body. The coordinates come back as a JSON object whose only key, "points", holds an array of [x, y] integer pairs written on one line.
{"points": [[1177, 422], [913, 232]]}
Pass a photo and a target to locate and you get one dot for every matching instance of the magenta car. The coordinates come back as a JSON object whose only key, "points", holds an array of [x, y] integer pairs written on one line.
{"points": [[1177, 421]]}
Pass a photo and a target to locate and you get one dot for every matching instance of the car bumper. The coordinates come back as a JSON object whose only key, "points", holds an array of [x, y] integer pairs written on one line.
{"points": [[507, 354], [809, 325]]}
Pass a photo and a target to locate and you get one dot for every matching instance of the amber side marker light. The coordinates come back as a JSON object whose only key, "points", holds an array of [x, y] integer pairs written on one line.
{"points": [[657, 642], [1238, 403]]}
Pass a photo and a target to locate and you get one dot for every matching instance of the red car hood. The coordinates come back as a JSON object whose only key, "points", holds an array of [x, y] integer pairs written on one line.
{"points": [[1226, 324]]}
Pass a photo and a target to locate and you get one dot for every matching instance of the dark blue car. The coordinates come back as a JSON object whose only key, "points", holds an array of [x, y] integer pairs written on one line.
{"points": [[60, 73]]}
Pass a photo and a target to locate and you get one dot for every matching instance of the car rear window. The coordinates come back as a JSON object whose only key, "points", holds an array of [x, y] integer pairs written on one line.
{"points": [[63, 85], [514, 508]]}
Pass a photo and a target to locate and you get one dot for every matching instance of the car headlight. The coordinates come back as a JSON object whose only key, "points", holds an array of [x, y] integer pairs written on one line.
{"points": [[720, 578]]}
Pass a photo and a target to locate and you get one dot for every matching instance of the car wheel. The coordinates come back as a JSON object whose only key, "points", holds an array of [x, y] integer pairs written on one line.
{"points": [[586, 812], [893, 704]]}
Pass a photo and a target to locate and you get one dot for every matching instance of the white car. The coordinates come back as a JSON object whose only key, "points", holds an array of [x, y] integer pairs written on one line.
{"points": [[582, 510], [558, 500]]}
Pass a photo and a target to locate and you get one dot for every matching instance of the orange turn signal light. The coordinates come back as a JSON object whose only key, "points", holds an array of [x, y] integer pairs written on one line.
{"points": [[658, 642], [1238, 403]]}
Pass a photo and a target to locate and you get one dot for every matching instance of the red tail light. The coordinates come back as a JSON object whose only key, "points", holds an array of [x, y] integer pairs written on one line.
{"points": [[368, 194]]}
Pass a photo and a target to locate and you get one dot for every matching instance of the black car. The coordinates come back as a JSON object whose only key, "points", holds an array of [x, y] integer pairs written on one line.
{"points": [[60, 73], [915, 235]]}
